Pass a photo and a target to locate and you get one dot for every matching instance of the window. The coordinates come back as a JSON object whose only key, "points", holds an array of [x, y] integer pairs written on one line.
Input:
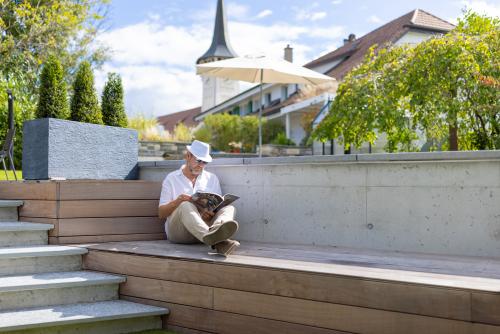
{"points": [[250, 107], [268, 99], [236, 111], [284, 92]]}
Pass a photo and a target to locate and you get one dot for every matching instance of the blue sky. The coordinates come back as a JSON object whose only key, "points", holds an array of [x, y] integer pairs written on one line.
{"points": [[155, 43]]}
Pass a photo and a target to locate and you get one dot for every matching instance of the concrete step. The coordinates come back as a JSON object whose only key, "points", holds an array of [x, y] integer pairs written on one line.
{"points": [[9, 210], [40, 259], [108, 317], [57, 289], [23, 234]]}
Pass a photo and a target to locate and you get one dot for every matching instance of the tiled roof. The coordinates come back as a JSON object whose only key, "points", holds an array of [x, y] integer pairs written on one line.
{"points": [[187, 117], [423, 19], [354, 52]]}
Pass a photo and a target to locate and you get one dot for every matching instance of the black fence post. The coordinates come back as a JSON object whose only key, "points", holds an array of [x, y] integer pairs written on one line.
{"points": [[11, 109]]}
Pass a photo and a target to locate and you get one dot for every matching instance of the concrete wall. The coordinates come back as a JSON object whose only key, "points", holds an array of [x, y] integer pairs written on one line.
{"points": [[445, 203]]}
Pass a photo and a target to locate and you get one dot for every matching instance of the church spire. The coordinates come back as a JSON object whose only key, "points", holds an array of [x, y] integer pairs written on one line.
{"points": [[220, 48]]}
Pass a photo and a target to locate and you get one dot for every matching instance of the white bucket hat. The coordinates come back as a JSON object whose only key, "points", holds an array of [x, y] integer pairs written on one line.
{"points": [[200, 150]]}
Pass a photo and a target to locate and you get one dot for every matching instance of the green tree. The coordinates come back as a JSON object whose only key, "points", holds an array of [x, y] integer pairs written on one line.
{"points": [[84, 103], [53, 100], [31, 31], [113, 107], [441, 89]]}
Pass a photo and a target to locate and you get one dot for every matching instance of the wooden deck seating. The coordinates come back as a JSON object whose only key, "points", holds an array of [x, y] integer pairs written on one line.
{"points": [[267, 288], [263, 288], [90, 211]]}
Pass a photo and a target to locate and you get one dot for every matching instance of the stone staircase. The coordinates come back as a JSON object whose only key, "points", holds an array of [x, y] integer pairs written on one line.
{"points": [[44, 290]]}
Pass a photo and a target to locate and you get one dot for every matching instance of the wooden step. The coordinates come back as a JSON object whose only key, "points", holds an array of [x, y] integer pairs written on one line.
{"points": [[57, 289], [84, 318], [40, 259], [23, 234]]}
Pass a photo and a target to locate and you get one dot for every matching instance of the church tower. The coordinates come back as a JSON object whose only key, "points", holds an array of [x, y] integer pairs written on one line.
{"points": [[217, 90]]}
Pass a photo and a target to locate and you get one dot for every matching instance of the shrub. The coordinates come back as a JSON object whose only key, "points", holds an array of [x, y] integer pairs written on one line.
{"points": [[84, 103], [113, 107], [224, 129], [147, 128], [225, 132], [182, 133], [203, 134], [271, 129], [53, 101], [249, 133], [281, 139]]}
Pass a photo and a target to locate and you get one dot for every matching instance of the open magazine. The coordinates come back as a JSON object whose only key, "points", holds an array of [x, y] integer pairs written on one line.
{"points": [[212, 202]]}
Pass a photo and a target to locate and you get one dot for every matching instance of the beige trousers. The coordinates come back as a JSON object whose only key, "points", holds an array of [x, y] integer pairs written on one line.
{"points": [[187, 227]]}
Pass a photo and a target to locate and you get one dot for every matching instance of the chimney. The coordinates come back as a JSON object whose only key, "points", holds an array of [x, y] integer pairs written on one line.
{"points": [[350, 39], [289, 53]]}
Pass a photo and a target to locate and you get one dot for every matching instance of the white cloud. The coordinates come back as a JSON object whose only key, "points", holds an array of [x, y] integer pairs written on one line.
{"points": [[318, 16], [157, 60], [336, 2], [306, 15], [264, 13], [237, 11], [483, 7], [374, 19]]}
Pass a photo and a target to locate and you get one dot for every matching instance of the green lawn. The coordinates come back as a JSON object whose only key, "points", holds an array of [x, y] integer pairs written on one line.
{"points": [[11, 174]]}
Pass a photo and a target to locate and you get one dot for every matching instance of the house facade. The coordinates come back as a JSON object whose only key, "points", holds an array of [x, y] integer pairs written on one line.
{"points": [[291, 103]]}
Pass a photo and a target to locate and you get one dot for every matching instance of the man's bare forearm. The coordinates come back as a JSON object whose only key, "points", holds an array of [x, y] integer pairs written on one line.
{"points": [[166, 210]]}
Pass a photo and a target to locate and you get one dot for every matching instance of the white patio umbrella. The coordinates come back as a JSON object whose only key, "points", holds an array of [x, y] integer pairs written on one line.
{"points": [[261, 69]]}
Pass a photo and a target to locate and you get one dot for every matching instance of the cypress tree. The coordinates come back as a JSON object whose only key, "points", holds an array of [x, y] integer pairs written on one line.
{"points": [[113, 107], [52, 100], [84, 103]]}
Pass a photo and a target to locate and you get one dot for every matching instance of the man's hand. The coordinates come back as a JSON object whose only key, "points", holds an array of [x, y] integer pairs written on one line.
{"points": [[207, 215], [183, 198]]}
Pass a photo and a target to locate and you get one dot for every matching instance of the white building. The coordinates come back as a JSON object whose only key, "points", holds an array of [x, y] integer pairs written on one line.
{"points": [[289, 103]]}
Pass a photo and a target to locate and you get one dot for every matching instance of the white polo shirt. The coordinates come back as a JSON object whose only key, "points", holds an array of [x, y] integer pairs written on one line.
{"points": [[176, 183]]}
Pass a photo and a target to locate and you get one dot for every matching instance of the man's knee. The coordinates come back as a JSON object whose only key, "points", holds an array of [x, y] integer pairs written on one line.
{"points": [[186, 206], [229, 209]]}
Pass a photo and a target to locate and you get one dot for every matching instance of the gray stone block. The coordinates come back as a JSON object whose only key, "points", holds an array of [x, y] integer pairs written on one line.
{"points": [[23, 319], [54, 148]]}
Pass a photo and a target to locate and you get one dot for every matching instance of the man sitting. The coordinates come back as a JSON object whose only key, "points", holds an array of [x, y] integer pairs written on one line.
{"points": [[185, 224]]}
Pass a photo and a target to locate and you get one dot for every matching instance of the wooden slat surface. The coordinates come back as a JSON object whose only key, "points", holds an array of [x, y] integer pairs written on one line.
{"points": [[40, 209], [183, 330], [458, 272], [84, 239], [108, 208], [334, 316], [33, 190], [409, 298], [486, 307], [106, 190], [173, 292], [112, 225], [52, 233], [227, 323]]}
